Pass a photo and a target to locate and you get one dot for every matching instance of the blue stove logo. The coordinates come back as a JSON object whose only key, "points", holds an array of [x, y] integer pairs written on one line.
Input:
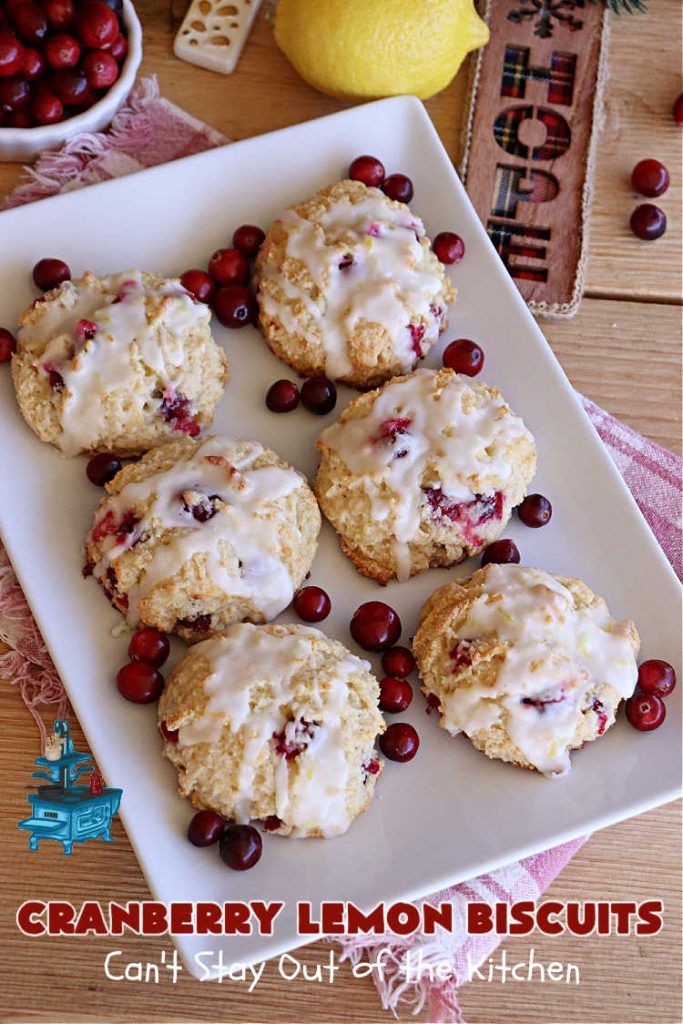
{"points": [[61, 810]]}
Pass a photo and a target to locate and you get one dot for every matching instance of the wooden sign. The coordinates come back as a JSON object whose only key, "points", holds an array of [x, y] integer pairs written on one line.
{"points": [[533, 131]]}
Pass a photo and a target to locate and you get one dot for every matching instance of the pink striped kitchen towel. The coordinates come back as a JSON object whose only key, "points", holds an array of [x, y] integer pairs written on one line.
{"points": [[149, 131]]}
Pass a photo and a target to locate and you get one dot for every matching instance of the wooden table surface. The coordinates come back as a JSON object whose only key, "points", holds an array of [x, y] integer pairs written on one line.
{"points": [[623, 351]]}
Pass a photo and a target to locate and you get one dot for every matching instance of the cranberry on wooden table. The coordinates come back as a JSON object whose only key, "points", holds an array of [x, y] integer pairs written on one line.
{"points": [[248, 238], [7, 345], [139, 682], [367, 169], [400, 742], [399, 187], [535, 511], [50, 272], [102, 468], [319, 395], [501, 552], [205, 828], [650, 178], [312, 604], [398, 661], [395, 694], [240, 847], [464, 356], [645, 711], [234, 306], [375, 626], [657, 677], [648, 222], [677, 109], [282, 396], [448, 247], [199, 284], [149, 645]]}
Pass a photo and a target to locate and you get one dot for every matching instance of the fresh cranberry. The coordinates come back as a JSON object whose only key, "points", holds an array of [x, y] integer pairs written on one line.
{"points": [[20, 119], [312, 604], [101, 69], [658, 677], [282, 396], [394, 694], [240, 847], [49, 273], [318, 395], [248, 239], [97, 25], [60, 14], [72, 87], [650, 178], [464, 356], [535, 511], [8, 344], [234, 306], [205, 828], [398, 661], [645, 711], [400, 742], [102, 468], [62, 51], [33, 64], [648, 222], [448, 247], [272, 823], [139, 682], [119, 48], [30, 22], [367, 169], [199, 284], [11, 55], [15, 94], [149, 645], [677, 109], [375, 626], [500, 552], [47, 108], [229, 266], [116, 6], [399, 187]]}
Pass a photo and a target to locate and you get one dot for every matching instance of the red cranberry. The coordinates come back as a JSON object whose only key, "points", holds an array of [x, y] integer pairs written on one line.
{"points": [[645, 711], [20, 119], [658, 677], [535, 511], [241, 847], [170, 735], [199, 284], [500, 552], [116, 6], [312, 604], [677, 110], [72, 87], [47, 109], [650, 178], [60, 14], [248, 239], [15, 94], [464, 356], [30, 22], [448, 247], [398, 661], [272, 823], [55, 380], [394, 694], [399, 187], [149, 645], [400, 742], [11, 55], [139, 682], [97, 25], [282, 396], [62, 51], [648, 222], [33, 64], [205, 828], [102, 468], [101, 69], [50, 273], [234, 306], [375, 626], [7, 345], [229, 266], [318, 395], [119, 48], [367, 169]]}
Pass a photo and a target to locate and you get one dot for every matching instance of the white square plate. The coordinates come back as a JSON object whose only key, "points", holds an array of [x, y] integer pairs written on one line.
{"points": [[451, 813]]}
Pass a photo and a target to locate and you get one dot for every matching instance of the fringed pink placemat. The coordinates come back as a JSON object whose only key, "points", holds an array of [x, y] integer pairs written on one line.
{"points": [[148, 131]]}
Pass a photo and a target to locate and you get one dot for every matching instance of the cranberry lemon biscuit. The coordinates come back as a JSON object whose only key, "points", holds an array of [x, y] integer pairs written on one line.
{"points": [[348, 286], [118, 363], [528, 665], [277, 723], [422, 473], [200, 534]]}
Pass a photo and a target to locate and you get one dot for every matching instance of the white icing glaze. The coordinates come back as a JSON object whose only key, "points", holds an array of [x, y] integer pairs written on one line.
{"points": [[383, 285], [124, 341], [456, 447], [554, 653], [314, 795], [240, 518]]}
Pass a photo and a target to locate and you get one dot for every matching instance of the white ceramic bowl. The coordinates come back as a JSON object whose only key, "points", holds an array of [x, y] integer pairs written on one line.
{"points": [[28, 143]]}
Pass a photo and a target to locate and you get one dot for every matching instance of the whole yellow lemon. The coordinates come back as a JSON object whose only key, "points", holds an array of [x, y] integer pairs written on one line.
{"points": [[361, 49]]}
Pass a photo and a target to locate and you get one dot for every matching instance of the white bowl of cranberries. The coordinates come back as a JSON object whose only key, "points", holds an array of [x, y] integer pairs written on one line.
{"points": [[66, 66]]}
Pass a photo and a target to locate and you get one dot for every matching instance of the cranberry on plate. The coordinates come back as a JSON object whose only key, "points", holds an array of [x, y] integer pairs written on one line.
{"points": [[464, 356], [375, 626], [205, 828], [395, 694], [367, 169], [139, 682], [282, 396], [229, 266], [318, 395], [149, 645], [7, 345], [400, 742], [102, 468], [199, 284], [240, 847], [399, 187], [234, 306], [448, 247], [535, 511], [312, 604], [248, 238], [645, 711], [49, 273], [398, 661], [500, 552], [657, 677]]}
